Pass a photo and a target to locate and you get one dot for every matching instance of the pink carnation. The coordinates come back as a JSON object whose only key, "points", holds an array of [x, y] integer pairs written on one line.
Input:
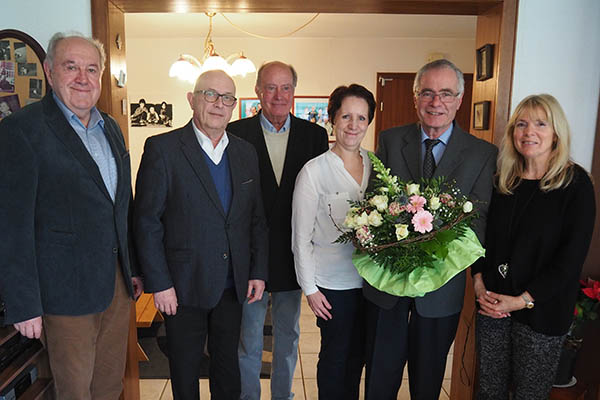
{"points": [[445, 197], [415, 203], [422, 221], [395, 208]]}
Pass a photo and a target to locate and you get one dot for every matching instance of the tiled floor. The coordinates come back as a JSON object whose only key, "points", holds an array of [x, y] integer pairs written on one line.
{"points": [[305, 382]]}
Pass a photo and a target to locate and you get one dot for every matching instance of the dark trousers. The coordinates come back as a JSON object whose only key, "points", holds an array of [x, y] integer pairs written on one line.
{"points": [[341, 357], [187, 332], [401, 335]]}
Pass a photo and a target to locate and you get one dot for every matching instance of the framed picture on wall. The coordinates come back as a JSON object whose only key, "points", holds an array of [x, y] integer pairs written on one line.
{"points": [[314, 109], [481, 115], [249, 106], [485, 62]]}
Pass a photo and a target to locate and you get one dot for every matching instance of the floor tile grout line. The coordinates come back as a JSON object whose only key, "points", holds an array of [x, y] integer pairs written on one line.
{"points": [[302, 371], [163, 389]]}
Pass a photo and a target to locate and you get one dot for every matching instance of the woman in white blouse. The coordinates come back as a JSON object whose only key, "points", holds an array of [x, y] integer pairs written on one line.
{"points": [[324, 269]]}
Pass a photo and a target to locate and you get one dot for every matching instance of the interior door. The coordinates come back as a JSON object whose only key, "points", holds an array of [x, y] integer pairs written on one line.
{"points": [[395, 105]]}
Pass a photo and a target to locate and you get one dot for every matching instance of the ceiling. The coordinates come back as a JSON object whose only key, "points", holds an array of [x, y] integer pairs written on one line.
{"points": [[171, 25]]}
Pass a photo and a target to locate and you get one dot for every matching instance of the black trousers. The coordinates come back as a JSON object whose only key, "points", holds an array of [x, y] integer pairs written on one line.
{"points": [[187, 332], [341, 357], [401, 335]]}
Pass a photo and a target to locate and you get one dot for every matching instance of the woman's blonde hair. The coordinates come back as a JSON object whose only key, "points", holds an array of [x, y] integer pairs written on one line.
{"points": [[511, 164]]}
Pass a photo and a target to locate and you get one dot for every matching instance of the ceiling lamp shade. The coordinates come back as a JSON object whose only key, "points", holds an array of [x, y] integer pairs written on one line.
{"points": [[242, 66], [216, 62], [186, 68]]}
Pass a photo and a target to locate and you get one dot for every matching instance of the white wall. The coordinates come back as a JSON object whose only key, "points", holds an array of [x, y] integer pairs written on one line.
{"points": [[322, 65], [558, 52], [41, 19]]}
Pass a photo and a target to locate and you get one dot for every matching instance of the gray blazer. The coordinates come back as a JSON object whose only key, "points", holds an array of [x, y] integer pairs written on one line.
{"points": [[183, 236], [61, 234], [471, 162]]}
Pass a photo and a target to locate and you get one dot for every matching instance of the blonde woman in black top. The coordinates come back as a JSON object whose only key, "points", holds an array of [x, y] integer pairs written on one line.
{"points": [[539, 228]]}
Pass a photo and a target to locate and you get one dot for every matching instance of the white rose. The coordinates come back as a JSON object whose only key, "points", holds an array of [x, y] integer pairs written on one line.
{"points": [[412, 188], [350, 221], [401, 231], [467, 207], [434, 203], [380, 201], [362, 219], [375, 218]]}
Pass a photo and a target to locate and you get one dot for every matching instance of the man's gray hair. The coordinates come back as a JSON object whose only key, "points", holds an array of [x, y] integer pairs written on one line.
{"points": [[58, 36], [439, 64], [271, 63]]}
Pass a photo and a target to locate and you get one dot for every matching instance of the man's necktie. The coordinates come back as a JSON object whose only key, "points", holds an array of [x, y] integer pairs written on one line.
{"points": [[429, 161]]}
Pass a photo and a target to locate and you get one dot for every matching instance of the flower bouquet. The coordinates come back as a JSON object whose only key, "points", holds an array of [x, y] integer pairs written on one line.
{"points": [[410, 238]]}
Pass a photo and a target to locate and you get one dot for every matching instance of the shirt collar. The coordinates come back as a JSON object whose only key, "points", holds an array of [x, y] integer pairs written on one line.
{"points": [[268, 126], [95, 117], [444, 137], [215, 153]]}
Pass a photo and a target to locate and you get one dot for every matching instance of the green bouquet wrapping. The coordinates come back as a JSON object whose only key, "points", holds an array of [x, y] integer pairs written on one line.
{"points": [[410, 238]]}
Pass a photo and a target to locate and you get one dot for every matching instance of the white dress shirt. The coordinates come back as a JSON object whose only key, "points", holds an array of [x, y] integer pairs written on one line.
{"points": [[215, 153], [322, 183]]}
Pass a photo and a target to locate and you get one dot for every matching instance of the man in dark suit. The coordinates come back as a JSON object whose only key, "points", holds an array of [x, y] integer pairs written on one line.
{"points": [[284, 144], [421, 330], [64, 254], [201, 237]]}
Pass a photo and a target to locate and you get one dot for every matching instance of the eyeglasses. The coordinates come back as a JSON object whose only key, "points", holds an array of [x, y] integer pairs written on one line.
{"points": [[445, 96], [212, 96]]}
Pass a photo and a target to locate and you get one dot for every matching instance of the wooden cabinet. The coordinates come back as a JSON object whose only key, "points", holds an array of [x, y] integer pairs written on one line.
{"points": [[33, 355]]}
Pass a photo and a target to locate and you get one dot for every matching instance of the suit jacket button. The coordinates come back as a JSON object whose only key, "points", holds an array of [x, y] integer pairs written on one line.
{"points": [[115, 250], [224, 256]]}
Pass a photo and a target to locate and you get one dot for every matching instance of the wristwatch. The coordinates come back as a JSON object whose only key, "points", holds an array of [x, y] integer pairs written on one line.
{"points": [[528, 302]]}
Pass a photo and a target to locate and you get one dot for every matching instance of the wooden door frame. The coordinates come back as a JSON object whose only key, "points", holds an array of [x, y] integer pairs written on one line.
{"points": [[112, 97]]}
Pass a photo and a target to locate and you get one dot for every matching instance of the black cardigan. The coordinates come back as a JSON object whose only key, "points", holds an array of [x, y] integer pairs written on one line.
{"points": [[551, 234]]}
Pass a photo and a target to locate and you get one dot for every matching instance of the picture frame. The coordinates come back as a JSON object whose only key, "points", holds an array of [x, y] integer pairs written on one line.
{"points": [[151, 115], [481, 115], [22, 77], [485, 62], [314, 109], [249, 106]]}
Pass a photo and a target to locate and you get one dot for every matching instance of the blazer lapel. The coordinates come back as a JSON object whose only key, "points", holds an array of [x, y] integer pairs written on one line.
{"points": [[453, 155], [235, 166], [65, 133], [294, 142], [194, 154], [412, 154], [264, 160], [112, 134]]}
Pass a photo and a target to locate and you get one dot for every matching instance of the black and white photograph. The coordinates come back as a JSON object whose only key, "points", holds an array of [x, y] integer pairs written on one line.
{"points": [[27, 69], [35, 88], [20, 52], [7, 76], [151, 115], [8, 105], [4, 50]]}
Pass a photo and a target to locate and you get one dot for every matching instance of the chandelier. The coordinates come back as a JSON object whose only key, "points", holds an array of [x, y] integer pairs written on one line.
{"points": [[188, 67]]}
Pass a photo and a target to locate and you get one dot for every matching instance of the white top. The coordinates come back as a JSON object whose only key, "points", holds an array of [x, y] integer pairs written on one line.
{"points": [[215, 153], [324, 182]]}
